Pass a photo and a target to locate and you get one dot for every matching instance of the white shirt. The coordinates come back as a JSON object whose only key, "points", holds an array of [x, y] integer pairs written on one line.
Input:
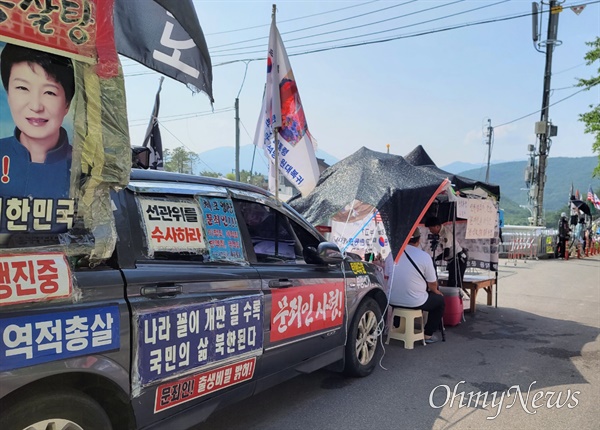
{"points": [[446, 241], [407, 286]]}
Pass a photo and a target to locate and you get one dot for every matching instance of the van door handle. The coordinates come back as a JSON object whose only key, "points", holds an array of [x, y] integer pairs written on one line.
{"points": [[280, 283], [161, 291]]}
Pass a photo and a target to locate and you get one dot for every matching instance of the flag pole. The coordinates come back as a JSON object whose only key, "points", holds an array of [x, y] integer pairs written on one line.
{"points": [[276, 137], [152, 138], [276, 134]]}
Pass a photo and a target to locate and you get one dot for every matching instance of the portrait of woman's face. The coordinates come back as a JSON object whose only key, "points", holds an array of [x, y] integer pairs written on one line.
{"points": [[37, 103]]}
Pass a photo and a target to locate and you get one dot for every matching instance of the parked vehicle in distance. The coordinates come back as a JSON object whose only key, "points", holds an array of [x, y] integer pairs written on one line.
{"points": [[214, 292]]}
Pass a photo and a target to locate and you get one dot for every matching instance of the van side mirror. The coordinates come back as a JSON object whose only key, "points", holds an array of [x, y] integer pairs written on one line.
{"points": [[140, 157], [325, 253]]}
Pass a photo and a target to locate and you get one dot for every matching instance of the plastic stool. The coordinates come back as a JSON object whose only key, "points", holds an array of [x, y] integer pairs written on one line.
{"points": [[406, 330]]}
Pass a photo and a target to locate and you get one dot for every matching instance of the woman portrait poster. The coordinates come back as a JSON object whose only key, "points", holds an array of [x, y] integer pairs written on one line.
{"points": [[36, 131], [35, 153]]}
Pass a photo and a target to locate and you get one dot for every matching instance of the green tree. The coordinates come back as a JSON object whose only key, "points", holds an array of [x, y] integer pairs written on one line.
{"points": [[179, 160], [592, 118], [250, 178], [210, 174]]}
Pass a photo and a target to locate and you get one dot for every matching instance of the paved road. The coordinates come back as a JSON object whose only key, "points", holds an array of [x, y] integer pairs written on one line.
{"points": [[542, 338]]}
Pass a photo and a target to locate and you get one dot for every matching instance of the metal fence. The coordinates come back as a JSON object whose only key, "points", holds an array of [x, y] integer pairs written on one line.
{"points": [[526, 243]]}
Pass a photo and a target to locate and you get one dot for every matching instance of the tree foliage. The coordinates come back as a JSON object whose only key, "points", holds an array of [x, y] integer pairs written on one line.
{"points": [[180, 160], [250, 178], [591, 119], [210, 174]]}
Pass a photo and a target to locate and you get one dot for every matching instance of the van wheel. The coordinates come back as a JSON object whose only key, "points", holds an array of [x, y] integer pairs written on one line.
{"points": [[60, 410], [362, 346]]}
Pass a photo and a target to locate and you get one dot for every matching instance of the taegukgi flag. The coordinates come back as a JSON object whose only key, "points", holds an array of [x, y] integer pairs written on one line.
{"points": [[282, 109]]}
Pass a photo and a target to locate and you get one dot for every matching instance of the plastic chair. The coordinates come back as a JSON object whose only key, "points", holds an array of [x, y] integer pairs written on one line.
{"points": [[406, 331]]}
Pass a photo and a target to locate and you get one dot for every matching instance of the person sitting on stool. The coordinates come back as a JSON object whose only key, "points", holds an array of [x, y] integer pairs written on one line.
{"points": [[446, 245], [415, 286]]}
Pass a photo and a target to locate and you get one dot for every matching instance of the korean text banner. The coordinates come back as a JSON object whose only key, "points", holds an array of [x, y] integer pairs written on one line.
{"points": [[283, 109], [58, 164], [67, 28], [178, 340], [42, 338]]}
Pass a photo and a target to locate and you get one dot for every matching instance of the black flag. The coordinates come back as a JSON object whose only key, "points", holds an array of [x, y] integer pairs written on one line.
{"points": [[165, 35], [153, 139]]}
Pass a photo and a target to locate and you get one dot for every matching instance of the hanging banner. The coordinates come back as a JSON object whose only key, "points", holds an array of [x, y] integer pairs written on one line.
{"points": [[482, 219], [282, 110], [66, 28], [364, 236], [63, 125]]}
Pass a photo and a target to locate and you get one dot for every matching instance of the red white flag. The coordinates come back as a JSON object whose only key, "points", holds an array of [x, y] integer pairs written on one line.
{"points": [[282, 109], [592, 197]]}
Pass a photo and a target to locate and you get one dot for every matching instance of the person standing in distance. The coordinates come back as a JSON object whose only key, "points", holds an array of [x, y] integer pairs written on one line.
{"points": [[563, 234], [449, 250], [415, 286], [36, 159]]}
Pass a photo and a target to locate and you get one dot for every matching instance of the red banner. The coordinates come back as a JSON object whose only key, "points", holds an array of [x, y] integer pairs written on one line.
{"points": [[301, 310], [184, 390], [66, 28]]}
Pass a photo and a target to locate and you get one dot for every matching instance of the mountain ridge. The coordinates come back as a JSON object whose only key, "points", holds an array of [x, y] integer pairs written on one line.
{"points": [[560, 174], [510, 175]]}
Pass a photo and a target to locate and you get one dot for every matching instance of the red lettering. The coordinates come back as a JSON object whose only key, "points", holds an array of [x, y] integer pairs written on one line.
{"points": [[5, 291], [24, 291]]}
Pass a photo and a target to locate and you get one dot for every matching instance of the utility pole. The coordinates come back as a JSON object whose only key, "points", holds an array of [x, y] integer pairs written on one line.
{"points": [[490, 133], [544, 129], [237, 139]]}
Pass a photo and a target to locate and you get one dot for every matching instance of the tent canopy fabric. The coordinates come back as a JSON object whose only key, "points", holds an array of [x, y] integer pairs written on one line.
{"points": [[582, 206], [399, 190], [419, 157]]}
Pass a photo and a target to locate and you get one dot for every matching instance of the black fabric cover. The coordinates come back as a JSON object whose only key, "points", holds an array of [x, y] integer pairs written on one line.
{"points": [[582, 206], [419, 157], [388, 182], [139, 26]]}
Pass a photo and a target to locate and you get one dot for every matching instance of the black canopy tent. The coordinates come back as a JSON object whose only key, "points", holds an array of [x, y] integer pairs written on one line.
{"points": [[400, 191], [483, 251], [418, 157]]}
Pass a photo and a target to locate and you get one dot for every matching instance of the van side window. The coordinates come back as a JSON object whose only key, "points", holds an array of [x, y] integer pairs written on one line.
{"points": [[306, 238], [270, 232]]}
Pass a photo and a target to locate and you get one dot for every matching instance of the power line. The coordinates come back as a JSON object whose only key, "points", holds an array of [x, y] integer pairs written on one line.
{"points": [[392, 38], [375, 23], [325, 24], [489, 21], [551, 104], [171, 118], [291, 19], [261, 157], [369, 42], [185, 146]]}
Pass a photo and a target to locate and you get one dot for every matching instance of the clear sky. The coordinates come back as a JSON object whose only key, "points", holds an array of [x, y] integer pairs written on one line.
{"points": [[430, 87]]}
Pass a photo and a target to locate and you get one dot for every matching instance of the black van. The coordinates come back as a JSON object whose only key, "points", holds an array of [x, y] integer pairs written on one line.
{"points": [[214, 292]]}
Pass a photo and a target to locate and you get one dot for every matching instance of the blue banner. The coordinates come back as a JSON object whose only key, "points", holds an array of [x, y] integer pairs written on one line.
{"points": [[179, 339], [222, 231], [41, 338]]}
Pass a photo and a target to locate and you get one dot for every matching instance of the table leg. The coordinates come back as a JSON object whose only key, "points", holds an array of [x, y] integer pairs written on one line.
{"points": [[473, 299]]}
